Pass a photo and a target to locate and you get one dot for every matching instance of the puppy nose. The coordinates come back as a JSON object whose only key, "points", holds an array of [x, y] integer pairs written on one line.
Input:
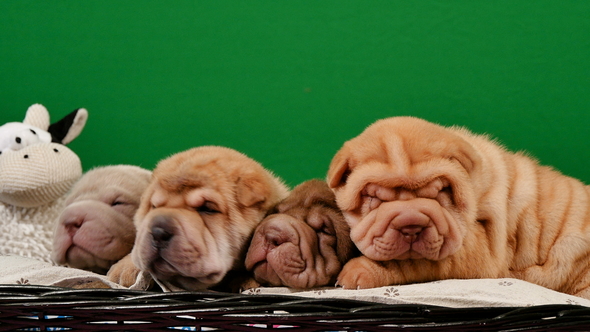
{"points": [[275, 239], [162, 232], [411, 232], [73, 225]]}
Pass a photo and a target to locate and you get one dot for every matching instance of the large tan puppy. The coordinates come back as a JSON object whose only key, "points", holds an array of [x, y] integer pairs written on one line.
{"points": [[425, 202], [197, 216], [305, 241], [96, 229]]}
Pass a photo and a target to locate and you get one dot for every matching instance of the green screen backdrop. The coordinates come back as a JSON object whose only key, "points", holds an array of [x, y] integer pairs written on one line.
{"points": [[287, 82]]}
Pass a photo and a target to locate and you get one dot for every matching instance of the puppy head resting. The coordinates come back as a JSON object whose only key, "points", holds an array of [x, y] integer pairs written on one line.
{"points": [[304, 242], [96, 229], [198, 214], [406, 188]]}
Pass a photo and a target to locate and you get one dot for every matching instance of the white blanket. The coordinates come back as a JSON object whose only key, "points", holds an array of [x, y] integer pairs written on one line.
{"points": [[448, 293]]}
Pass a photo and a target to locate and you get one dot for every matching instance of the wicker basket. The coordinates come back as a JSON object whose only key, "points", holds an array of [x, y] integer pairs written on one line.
{"points": [[42, 308]]}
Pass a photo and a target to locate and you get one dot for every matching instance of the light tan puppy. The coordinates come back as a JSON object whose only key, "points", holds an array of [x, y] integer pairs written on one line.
{"points": [[304, 242], [197, 216], [425, 202], [95, 229]]}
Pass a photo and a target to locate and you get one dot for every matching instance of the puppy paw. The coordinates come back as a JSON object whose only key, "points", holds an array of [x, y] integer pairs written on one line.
{"points": [[124, 272], [361, 273], [249, 284]]}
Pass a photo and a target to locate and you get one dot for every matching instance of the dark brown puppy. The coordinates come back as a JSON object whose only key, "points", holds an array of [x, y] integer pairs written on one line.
{"points": [[304, 243]]}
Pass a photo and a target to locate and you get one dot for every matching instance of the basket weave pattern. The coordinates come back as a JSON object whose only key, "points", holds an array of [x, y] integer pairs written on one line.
{"points": [[42, 308]]}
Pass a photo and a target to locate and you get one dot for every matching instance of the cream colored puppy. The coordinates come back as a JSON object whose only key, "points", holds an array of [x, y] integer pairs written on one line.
{"points": [[95, 229], [197, 216], [425, 202]]}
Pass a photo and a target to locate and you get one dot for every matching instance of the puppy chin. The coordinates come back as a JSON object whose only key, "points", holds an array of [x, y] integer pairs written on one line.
{"points": [[168, 275], [79, 258]]}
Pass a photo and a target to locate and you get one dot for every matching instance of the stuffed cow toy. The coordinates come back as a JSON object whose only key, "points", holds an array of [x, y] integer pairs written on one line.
{"points": [[36, 171]]}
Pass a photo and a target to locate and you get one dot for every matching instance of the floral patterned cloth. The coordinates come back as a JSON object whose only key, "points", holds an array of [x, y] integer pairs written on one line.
{"points": [[28, 271], [448, 293]]}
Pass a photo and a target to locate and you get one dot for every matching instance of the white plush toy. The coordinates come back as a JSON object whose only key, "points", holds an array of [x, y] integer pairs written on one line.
{"points": [[36, 171], [17, 135]]}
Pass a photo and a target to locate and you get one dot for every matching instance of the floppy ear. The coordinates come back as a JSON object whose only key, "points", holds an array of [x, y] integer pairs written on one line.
{"points": [[338, 171], [250, 191], [468, 160], [465, 153], [37, 116], [65, 130]]}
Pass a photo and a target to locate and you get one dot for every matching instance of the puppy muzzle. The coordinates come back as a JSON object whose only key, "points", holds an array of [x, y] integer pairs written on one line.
{"points": [[410, 229], [178, 249]]}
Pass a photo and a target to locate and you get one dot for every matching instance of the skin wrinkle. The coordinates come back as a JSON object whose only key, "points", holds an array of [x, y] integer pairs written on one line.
{"points": [[307, 248], [194, 250], [283, 256], [538, 208], [564, 218], [379, 232], [501, 198], [320, 239], [100, 231]]}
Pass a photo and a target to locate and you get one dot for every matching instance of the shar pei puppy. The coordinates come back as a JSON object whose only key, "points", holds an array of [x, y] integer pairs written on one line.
{"points": [[95, 229], [426, 202], [303, 243], [196, 219]]}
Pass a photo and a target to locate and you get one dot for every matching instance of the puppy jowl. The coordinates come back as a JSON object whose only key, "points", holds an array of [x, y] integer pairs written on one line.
{"points": [[303, 243]]}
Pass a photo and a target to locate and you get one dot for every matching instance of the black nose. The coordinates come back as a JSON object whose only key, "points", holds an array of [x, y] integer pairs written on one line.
{"points": [[162, 232]]}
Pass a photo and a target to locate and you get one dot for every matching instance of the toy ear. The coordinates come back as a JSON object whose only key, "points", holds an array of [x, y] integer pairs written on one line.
{"points": [[37, 116], [65, 130]]}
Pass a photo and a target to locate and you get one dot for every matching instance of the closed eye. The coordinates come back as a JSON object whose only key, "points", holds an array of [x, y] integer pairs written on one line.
{"points": [[327, 230], [117, 202], [208, 208]]}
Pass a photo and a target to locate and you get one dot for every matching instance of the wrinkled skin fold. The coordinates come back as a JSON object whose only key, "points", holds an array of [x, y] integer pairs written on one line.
{"points": [[426, 202], [303, 243], [95, 229], [196, 218]]}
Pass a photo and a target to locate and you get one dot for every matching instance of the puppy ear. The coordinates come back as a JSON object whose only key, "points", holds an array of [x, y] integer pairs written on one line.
{"points": [[467, 157], [465, 153], [250, 191], [338, 171]]}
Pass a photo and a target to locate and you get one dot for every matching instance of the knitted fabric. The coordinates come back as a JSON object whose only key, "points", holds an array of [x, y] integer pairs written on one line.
{"points": [[29, 232], [37, 174], [38, 116]]}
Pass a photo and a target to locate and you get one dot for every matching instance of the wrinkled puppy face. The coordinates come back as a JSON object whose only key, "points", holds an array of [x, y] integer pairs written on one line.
{"points": [[406, 190], [96, 229], [304, 243], [198, 214]]}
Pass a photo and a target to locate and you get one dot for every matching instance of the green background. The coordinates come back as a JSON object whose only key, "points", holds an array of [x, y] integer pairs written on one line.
{"points": [[287, 82]]}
